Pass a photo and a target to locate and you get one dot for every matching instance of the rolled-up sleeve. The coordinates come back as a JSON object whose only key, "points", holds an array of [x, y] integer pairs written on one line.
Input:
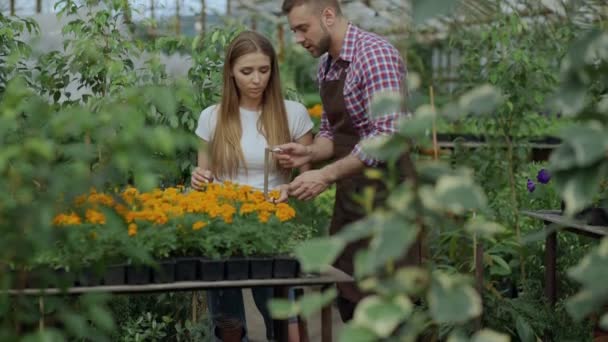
{"points": [[381, 69]]}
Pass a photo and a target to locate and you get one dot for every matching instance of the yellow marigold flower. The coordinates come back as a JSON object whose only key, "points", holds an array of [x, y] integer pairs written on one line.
{"points": [[265, 206], [274, 194], [285, 212], [100, 198], [67, 219], [198, 225], [263, 216], [247, 208], [80, 200], [315, 111], [132, 229], [94, 216]]}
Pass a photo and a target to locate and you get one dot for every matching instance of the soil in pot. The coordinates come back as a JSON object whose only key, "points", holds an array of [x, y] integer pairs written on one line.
{"points": [[187, 269], [261, 267], [286, 267], [164, 273], [212, 270], [237, 269]]}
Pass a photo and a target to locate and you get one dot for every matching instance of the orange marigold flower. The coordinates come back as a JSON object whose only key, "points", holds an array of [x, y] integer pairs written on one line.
{"points": [[198, 225], [94, 216], [285, 212], [263, 216], [315, 111], [132, 229], [67, 219], [247, 208]]}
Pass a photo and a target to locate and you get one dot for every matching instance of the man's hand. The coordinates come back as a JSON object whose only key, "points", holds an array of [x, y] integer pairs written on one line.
{"points": [[283, 194], [309, 184], [292, 155], [200, 177]]}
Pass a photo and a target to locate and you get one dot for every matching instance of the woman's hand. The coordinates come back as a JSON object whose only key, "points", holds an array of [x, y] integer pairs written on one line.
{"points": [[200, 177]]}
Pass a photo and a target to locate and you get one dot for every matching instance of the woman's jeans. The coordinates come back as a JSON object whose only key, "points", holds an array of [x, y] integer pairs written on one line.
{"points": [[227, 304]]}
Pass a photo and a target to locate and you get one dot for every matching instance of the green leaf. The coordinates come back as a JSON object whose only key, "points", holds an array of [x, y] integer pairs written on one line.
{"points": [[393, 238], [481, 100], [314, 302], [382, 316], [385, 102], [499, 266], [484, 228], [578, 187], [401, 198], [360, 229], [418, 126], [459, 194], [423, 10], [589, 144], [413, 280], [524, 330], [354, 333], [458, 336], [282, 308], [452, 300], [487, 335], [318, 254], [102, 318], [384, 147], [604, 322], [592, 273]]}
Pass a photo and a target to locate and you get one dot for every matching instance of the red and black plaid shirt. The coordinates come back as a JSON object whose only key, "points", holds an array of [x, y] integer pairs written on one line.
{"points": [[375, 66]]}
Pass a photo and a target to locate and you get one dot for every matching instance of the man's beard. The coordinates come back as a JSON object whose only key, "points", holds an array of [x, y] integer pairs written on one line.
{"points": [[323, 45]]}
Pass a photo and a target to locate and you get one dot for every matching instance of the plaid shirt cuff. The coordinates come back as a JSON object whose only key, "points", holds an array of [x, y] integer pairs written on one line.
{"points": [[325, 134], [364, 157]]}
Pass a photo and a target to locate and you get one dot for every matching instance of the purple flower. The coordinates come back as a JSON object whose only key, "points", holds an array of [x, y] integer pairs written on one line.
{"points": [[543, 176], [531, 185]]}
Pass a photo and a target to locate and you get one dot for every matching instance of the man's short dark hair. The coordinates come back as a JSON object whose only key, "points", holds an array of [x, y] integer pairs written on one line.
{"points": [[288, 5]]}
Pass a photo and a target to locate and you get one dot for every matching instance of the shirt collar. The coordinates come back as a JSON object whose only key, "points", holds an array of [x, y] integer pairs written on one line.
{"points": [[348, 45]]}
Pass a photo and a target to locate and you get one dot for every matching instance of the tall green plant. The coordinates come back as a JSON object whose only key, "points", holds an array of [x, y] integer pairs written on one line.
{"points": [[580, 164]]}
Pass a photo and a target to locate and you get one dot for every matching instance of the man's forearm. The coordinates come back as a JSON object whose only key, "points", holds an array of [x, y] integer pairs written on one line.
{"points": [[343, 168], [321, 149]]}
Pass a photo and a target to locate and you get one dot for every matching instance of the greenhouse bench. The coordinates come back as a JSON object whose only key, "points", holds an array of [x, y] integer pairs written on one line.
{"points": [[281, 287], [554, 217]]}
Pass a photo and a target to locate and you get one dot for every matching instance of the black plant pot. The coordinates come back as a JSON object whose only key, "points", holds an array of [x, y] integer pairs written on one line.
{"points": [[187, 269], [212, 270], [285, 267], [165, 273], [45, 277], [237, 269], [88, 277], [261, 268], [138, 274], [115, 275]]}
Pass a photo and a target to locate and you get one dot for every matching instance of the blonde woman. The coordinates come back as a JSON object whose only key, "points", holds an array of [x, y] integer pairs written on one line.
{"points": [[252, 115]]}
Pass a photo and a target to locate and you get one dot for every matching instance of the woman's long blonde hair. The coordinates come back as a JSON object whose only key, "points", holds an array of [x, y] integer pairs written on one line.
{"points": [[225, 150]]}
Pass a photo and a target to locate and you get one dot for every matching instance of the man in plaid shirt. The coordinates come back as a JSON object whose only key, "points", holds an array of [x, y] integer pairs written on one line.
{"points": [[354, 66]]}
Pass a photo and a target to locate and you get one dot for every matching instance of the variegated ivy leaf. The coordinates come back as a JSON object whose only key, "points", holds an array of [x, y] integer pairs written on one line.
{"points": [[382, 315], [487, 335], [318, 254], [481, 100], [452, 299], [459, 194]]}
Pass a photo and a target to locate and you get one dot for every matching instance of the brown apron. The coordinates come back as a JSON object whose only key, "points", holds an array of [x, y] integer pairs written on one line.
{"points": [[346, 209]]}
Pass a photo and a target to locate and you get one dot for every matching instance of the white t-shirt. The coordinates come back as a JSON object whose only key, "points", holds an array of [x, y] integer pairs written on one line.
{"points": [[253, 143]]}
